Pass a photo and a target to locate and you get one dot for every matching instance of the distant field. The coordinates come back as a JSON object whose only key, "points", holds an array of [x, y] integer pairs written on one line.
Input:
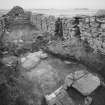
{"points": [[2, 12], [55, 12], [68, 12]]}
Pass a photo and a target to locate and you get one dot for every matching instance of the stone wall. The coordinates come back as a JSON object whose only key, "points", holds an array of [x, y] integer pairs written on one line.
{"points": [[90, 28], [94, 32], [43, 22]]}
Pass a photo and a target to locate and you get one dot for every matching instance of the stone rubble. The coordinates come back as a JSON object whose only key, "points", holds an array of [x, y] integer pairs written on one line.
{"points": [[59, 97], [10, 60], [83, 81]]}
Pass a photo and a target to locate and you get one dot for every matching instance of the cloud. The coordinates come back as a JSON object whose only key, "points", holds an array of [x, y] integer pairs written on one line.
{"points": [[57, 4]]}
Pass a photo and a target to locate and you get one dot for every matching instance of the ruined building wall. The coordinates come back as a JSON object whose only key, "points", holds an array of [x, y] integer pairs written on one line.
{"points": [[2, 25], [90, 29], [43, 22]]}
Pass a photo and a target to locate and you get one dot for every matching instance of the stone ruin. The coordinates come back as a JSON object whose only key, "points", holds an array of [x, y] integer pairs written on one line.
{"points": [[83, 81], [16, 15], [92, 29]]}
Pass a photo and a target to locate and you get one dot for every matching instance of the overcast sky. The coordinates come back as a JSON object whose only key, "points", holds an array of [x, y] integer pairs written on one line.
{"points": [[56, 4]]}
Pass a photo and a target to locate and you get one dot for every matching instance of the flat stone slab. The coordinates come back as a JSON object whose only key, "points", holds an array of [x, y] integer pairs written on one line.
{"points": [[32, 59], [83, 81]]}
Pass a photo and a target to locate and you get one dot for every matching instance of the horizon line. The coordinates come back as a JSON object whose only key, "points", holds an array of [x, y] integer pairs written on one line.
{"points": [[55, 8]]}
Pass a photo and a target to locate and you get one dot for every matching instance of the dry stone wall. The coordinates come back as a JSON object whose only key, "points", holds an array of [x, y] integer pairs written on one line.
{"points": [[43, 22], [90, 28]]}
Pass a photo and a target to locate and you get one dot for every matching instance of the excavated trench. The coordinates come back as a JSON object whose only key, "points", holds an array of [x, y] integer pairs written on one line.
{"points": [[50, 74]]}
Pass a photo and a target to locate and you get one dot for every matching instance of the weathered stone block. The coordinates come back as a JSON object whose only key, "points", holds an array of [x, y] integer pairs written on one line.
{"points": [[85, 82]]}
